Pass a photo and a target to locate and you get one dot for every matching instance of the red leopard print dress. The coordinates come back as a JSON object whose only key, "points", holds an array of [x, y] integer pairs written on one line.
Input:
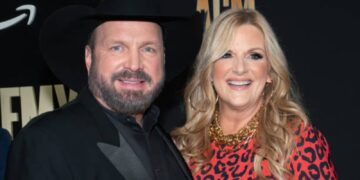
{"points": [[309, 160]]}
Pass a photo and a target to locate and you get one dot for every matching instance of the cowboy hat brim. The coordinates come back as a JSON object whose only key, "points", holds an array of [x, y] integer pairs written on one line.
{"points": [[65, 33]]}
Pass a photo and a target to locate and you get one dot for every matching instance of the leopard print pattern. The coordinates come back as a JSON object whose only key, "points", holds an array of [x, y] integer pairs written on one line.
{"points": [[309, 160]]}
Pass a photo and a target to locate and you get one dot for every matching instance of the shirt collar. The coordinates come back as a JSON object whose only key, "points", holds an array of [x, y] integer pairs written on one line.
{"points": [[150, 118]]}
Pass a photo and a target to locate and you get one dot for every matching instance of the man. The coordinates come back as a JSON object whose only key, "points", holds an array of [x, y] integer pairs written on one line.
{"points": [[110, 131]]}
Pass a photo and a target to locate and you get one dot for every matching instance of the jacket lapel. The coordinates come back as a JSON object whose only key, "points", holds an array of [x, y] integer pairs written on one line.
{"points": [[111, 143], [107, 132], [175, 152], [124, 159], [114, 146]]}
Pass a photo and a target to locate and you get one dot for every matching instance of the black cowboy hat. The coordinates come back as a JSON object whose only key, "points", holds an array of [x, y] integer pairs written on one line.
{"points": [[65, 33]]}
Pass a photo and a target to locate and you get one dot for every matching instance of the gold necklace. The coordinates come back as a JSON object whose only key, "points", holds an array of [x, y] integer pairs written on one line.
{"points": [[243, 135]]}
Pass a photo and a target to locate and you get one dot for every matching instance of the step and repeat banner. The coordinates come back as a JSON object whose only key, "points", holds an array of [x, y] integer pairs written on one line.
{"points": [[320, 39]]}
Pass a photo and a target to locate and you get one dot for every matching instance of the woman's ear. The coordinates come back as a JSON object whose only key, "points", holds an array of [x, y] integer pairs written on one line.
{"points": [[269, 80]]}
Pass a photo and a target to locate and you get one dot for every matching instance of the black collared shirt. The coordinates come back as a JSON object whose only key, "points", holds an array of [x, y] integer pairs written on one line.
{"points": [[148, 144]]}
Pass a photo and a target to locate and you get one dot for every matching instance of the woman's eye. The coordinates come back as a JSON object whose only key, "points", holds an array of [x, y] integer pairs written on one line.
{"points": [[226, 55], [255, 56]]}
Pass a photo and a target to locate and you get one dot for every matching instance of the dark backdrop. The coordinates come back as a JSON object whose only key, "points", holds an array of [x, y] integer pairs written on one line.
{"points": [[320, 39]]}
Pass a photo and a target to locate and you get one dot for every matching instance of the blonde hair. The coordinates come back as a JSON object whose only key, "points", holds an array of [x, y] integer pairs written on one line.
{"points": [[274, 138]]}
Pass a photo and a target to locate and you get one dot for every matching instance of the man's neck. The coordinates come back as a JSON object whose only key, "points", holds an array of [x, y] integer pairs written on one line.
{"points": [[138, 118]]}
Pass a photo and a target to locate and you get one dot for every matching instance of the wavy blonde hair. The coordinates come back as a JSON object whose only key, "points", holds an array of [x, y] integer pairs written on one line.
{"points": [[282, 109]]}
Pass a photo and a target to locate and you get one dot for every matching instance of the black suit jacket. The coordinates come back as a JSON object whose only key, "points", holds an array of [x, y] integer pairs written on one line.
{"points": [[65, 145]]}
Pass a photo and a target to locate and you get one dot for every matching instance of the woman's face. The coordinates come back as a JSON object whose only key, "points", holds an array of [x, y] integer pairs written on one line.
{"points": [[240, 75]]}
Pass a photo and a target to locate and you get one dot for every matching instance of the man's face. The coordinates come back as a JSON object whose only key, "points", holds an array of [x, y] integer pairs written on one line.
{"points": [[126, 65]]}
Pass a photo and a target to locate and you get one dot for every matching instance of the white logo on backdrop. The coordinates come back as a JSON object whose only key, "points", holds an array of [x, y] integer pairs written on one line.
{"points": [[17, 19]]}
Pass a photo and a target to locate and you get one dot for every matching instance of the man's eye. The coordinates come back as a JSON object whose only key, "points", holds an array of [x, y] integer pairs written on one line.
{"points": [[149, 50], [255, 56], [226, 55], [116, 48]]}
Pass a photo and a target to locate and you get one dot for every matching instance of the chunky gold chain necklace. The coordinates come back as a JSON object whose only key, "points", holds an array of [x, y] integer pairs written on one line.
{"points": [[244, 134]]}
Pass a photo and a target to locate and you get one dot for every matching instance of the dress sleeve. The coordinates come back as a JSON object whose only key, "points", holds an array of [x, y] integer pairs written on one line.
{"points": [[311, 158]]}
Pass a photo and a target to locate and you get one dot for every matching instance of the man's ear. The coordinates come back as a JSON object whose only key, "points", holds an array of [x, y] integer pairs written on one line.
{"points": [[88, 58], [164, 56]]}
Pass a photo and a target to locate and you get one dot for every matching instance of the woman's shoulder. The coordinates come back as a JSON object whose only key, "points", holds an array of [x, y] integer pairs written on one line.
{"points": [[306, 134], [311, 154]]}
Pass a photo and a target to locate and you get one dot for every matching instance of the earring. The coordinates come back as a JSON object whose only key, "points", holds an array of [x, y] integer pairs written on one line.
{"points": [[266, 89], [191, 105], [272, 92]]}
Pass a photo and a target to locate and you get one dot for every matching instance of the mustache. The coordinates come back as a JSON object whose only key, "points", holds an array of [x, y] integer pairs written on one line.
{"points": [[127, 74]]}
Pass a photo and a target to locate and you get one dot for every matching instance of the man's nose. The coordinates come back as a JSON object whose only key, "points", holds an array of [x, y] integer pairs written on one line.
{"points": [[134, 61]]}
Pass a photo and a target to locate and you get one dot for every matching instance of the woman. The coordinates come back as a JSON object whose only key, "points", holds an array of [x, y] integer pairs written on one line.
{"points": [[243, 117]]}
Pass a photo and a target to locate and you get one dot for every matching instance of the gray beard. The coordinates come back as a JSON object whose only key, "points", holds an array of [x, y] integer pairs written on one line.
{"points": [[125, 101]]}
